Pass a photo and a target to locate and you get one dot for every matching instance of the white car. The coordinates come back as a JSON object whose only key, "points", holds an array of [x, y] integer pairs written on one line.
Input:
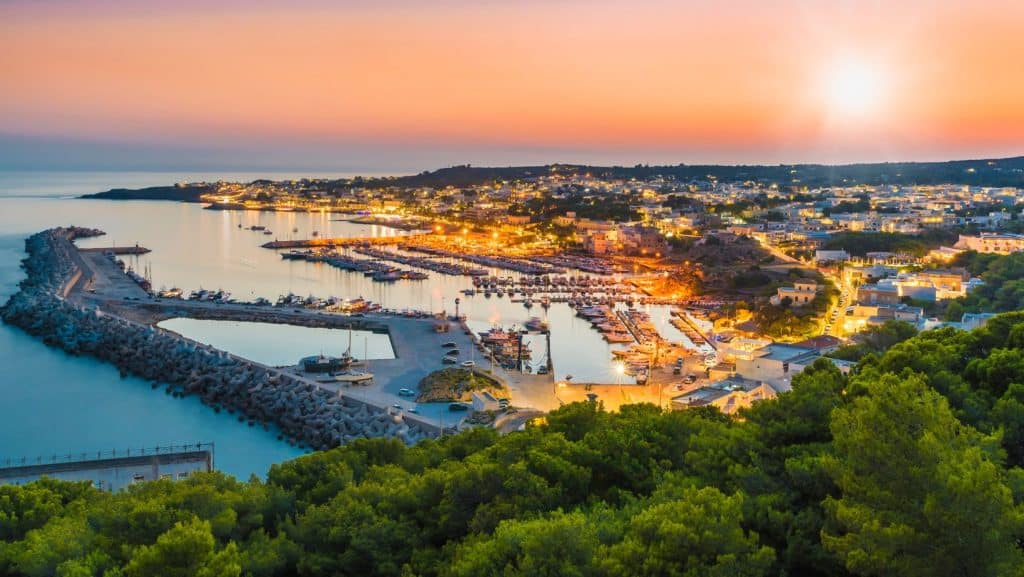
{"points": [[468, 364]]}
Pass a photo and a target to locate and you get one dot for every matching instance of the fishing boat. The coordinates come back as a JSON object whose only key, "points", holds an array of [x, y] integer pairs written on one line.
{"points": [[536, 324]]}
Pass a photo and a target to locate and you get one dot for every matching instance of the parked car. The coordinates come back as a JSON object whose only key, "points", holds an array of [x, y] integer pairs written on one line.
{"points": [[468, 364], [449, 345]]}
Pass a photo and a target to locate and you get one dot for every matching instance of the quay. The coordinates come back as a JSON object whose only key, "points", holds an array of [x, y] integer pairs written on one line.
{"points": [[118, 250]]}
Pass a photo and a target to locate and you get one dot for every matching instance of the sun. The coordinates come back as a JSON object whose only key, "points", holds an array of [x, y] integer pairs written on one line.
{"points": [[853, 88]]}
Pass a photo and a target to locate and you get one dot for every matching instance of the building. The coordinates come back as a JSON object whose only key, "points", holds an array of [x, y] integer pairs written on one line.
{"points": [[801, 293], [824, 344], [877, 294], [948, 283], [485, 401], [991, 243], [729, 395], [641, 240], [115, 470], [776, 364], [597, 243], [971, 321], [831, 256], [927, 285], [859, 316]]}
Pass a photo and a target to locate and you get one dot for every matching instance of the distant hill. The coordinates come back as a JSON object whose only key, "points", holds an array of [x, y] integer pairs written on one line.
{"points": [[190, 193], [982, 172]]}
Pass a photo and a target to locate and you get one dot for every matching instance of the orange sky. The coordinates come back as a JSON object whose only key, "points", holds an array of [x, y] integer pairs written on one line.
{"points": [[727, 81]]}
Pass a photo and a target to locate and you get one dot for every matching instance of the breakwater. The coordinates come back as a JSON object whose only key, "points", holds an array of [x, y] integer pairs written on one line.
{"points": [[305, 413]]}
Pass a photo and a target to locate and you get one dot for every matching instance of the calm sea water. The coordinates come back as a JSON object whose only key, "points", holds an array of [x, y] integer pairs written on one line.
{"points": [[58, 403], [281, 345]]}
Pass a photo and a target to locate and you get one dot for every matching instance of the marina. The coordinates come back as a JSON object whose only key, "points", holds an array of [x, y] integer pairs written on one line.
{"points": [[250, 283]]}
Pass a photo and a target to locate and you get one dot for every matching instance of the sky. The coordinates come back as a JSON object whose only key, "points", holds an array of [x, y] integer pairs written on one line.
{"points": [[407, 85]]}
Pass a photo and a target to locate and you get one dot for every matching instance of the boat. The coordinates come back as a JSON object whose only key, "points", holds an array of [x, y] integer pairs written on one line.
{"points": [[172, 293], [536, 324], [347, 377]]}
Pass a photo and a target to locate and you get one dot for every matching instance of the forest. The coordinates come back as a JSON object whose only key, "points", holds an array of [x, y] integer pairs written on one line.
{"points": [[910, 465]]}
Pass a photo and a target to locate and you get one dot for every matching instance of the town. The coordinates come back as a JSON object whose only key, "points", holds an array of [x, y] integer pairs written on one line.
{"points": [[763, 278]]}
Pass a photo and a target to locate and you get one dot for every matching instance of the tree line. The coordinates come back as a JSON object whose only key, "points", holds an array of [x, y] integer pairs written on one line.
{"points": [[909, 465]]}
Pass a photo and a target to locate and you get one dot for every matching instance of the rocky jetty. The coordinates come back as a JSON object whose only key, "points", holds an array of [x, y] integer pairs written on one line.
{"points": [[305, 413]]}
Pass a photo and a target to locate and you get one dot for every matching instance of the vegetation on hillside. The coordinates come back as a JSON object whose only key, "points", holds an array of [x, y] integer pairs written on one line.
{"points": [[910, 466], [1003, 290], [789, 322], [861, 243], [454, 384]]}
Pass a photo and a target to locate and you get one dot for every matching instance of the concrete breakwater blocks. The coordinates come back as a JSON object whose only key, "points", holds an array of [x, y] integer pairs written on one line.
{"points": [[304, 412]]}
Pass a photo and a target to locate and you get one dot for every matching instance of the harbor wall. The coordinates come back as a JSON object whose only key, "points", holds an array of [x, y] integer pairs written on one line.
{"points": [[304, 412]]}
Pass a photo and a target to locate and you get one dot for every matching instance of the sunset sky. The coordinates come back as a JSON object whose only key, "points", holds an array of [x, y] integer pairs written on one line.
{"points": [[404, 85]]}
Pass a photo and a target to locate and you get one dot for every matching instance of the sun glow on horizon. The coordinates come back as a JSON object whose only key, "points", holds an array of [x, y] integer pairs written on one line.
{"points": [[854, 89]]}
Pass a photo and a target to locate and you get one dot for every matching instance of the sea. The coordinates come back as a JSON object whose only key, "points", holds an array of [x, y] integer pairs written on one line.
{"points": [[60, 405]]}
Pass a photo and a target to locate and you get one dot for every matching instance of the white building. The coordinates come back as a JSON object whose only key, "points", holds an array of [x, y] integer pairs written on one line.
{"points": [[991, 243]]}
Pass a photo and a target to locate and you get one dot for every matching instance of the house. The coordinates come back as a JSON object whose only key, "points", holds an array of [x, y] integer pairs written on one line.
{"points": [[801, 293], [876, 294], [859, 316], [729, 395]]}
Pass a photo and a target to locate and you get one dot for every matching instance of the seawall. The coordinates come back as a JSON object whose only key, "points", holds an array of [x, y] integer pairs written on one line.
{"points": [[303, 411]]}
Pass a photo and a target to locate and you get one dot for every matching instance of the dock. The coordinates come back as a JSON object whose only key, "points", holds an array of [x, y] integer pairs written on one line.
{"points": [[335, 242]]}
